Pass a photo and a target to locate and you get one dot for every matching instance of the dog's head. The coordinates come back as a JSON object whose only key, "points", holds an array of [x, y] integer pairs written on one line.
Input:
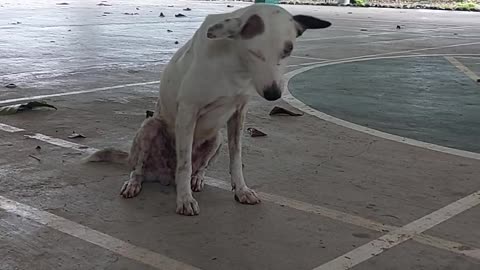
{"points": [[265, 36]]}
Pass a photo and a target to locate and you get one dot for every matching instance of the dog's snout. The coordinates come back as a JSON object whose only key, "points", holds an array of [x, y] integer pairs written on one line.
{"points": [[272, 92]]}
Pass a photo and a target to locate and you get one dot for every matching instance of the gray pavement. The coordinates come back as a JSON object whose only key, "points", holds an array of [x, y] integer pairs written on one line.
{"points": [[328, 190]]}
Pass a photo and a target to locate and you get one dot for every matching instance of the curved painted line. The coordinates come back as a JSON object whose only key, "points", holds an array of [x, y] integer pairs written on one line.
{"points": [[290, 99]]}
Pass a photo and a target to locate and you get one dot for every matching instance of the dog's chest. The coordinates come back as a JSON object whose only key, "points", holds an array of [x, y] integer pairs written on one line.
{"points": [[216, 114]]}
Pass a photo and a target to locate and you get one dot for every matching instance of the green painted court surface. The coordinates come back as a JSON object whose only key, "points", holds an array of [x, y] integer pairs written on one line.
{"points": [[422, 98]]}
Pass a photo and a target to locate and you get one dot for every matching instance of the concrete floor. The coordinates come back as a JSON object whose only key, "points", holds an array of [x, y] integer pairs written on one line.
{"points": [[438, 103], [333, 197]]}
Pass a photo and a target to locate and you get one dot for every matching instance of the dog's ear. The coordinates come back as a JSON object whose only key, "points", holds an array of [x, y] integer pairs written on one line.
{"points": [[237, 28], [304, 22], [253, 27]]}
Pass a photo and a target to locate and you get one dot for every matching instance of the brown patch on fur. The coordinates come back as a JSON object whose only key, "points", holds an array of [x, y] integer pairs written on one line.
{"points": [[202, 153], [287, 49], [217, 26], [253, 27], [160, 161], [155, 140]]}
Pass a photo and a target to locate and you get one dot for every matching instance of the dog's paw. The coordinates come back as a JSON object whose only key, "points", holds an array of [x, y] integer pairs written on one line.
{"points": [[187, 206], [130, 189], [246, 196], [197, 183]]}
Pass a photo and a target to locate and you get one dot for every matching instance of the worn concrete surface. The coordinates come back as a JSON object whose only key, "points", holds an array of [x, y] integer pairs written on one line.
{"points": [[302, 158], [27, 245], [415, 256]]}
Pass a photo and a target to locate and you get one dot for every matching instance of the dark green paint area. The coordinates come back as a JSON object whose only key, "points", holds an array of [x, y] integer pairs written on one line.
{"points": [[422, 98]]}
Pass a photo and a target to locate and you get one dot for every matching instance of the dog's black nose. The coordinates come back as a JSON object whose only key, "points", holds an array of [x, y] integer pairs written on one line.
{"points": [[272, 92]]}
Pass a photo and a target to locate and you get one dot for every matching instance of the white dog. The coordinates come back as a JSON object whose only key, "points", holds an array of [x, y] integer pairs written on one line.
{"points": [[205, 86]]}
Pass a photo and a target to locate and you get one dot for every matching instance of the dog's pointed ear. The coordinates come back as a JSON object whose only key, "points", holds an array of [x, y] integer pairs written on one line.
{"points": [[304, 22], [253, 27], [237, 28]]}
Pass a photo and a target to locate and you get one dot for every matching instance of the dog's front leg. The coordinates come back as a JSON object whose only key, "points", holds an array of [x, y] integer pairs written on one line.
{"points": [[184, 131], [243, 194]]}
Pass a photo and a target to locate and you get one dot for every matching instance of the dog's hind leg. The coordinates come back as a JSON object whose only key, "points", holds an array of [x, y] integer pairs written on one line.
{"points": [[139, 153], [203, 156], [132, 187]]}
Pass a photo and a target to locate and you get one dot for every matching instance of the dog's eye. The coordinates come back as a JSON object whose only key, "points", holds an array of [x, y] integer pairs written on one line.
{"points": [[287, 50]]}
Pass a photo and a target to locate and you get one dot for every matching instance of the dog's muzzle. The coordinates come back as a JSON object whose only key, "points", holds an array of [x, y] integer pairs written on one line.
{"points": [[272, 92]]}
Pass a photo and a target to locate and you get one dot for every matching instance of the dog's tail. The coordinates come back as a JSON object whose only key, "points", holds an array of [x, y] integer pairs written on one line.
{"points": [[108, 155]]}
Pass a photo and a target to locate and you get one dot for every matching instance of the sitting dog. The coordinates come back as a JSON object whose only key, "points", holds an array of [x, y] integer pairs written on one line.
{"points": [[205, 86]]}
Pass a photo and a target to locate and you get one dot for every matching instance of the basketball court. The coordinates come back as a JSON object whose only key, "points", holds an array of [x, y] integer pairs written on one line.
{"points": [[381, 172]]}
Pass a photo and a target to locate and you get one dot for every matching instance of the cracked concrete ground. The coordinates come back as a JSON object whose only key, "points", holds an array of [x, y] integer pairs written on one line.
{"points": [[307, 161]]}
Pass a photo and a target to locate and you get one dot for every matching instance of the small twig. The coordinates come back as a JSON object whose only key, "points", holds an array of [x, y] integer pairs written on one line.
{"points": [[34, 157]]}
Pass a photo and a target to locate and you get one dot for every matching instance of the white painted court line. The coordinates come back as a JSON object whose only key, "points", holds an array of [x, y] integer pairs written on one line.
{"points": [[346, 36], [469, 57], [393, 23], [307, 64], [387, 241], [289, 98], [77, 92], [379, 41], [310, 208], [303, 206], [406, 51], [354, 220], [303, 64], [62, 143], [309, 58], [408, 32], [10, 129], [462, 68], [92, 236]]}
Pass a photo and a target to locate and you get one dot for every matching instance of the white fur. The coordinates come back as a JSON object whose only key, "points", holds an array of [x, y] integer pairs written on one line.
{"points": [[208, 81], [206, 85]]}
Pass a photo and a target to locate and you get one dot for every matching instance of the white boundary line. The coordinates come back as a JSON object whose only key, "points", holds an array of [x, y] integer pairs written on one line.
{"points": [[372, 42], [354, 220], [92, 236], [307, 64], [289, 98], [309, 208], [347, 36], [303, 64], [77, 92], [10, 129], [300, 206], [408, 51], [462, 68], [309, 58], [389, 240], [386, 32], [470, 57], [62, 143], [373, 55]]}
